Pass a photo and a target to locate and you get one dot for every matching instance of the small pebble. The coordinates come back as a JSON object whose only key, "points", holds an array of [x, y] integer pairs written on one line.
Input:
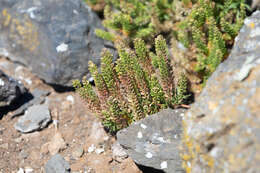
{"points": [[20, 170], [91, 148], [23, 154], [99, 150], [18, 140], [28, 170], [78, 153], [70, 98]]}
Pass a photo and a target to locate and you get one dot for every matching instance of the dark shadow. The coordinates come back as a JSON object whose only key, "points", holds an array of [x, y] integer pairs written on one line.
{"points": [[16, 104], [60, 88], [145, 169]]}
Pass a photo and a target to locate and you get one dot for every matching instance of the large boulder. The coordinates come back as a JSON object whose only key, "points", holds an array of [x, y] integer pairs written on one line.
{"points": [[55, 39], [155, 141], [10, 90], [222, 128]]}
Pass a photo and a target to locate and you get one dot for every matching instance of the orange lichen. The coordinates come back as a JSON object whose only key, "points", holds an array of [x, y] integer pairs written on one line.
{"points": [[188, 154], [25, 33], [7, 17], [252, 25]]}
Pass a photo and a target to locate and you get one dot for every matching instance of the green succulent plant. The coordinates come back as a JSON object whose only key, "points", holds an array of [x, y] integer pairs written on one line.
{"points": [[132, 88], [206, 27], [211, 26]]}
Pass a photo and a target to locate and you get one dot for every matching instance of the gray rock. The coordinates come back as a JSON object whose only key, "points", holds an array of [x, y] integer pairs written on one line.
{"points": [[23, 154], [10, 90], [55, 39], [78, 152], [118, 152], [155, 141], [57, 164], [38, 97], [36, 117], [221, 131]]}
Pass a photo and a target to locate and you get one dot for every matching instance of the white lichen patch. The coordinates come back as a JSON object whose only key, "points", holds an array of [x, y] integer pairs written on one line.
{"points": [[161, 139], [62, 47], [4, 52], [255, 32], [30, 11], [246, 68], [250, 45], [149, 155], [139, 135], [143, 126], [75, 11], [2, 83], [164, 165], [251, 22]]}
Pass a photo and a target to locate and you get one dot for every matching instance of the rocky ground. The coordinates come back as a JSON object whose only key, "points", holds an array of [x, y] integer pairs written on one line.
{"points": [[73, 132], [42, 130]]}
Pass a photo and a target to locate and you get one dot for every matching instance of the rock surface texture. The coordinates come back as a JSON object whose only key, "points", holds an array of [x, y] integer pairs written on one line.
{"points": [[36, 117], [10, 90], [222, 128], [155, 141], [55, 39], [57, 164]]}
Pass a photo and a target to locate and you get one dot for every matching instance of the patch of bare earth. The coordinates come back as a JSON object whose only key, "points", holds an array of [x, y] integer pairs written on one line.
{"points": [[74, 133]]}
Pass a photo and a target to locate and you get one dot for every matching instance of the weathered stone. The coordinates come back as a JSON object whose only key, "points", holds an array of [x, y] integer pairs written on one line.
{"points": [[56, 144], [55, 39], [118, 152], [10, 90], [38, 97], [221, 130], [36, 117], [57, 164], [155, 141], [78, 152]]}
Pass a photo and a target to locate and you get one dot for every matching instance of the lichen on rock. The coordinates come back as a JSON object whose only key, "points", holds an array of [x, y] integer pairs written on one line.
{"points": [[221, 130]]}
